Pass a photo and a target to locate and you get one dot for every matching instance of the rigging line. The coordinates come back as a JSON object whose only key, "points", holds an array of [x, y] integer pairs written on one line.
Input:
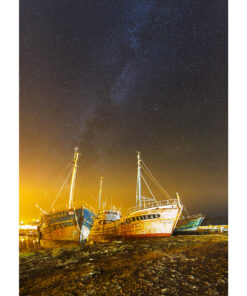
{"points": [[63, 170], [149, 189], [186, 210], [158, 185], [60, 189], [154, 180], [164, 191], [93, 197]]}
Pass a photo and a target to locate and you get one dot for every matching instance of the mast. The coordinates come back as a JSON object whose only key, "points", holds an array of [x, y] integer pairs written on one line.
{"points": [[100, 191], [138, 189], [72, 186], [178, 198]]}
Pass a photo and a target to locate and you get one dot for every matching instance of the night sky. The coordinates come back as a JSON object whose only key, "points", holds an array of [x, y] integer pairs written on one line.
{"points": [[116, 77]]}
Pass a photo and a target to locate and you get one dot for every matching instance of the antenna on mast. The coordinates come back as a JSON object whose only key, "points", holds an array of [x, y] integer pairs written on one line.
{"points": [[72, 187], [100, 192]]}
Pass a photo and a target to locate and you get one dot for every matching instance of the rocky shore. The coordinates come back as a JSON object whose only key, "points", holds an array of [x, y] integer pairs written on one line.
{"points": [[179, 265]]}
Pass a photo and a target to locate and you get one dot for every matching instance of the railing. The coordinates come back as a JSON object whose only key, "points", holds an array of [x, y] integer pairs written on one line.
{"points": [[153, 204], [75, 205], [192, 216]]}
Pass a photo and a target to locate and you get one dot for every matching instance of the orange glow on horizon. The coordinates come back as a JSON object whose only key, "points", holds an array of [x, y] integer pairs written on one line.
{"points": [[196, 188]]}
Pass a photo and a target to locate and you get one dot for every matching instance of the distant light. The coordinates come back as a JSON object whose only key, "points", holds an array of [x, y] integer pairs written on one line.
{"points": [[27, 227]]}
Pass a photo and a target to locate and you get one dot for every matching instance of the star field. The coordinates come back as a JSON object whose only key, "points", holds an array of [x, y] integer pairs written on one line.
{"points": [[114, 77]]}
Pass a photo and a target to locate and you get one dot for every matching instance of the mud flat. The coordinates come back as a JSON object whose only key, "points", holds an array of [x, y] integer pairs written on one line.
{"points": [[180, 265]]}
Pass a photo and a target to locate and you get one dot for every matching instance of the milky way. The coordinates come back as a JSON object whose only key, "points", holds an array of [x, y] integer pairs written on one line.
{"points": [[114, 77]]}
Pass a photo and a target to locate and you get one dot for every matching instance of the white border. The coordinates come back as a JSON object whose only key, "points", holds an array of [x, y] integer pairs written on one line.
{"points": [[9, 22], [237, 147], [9, 122]]}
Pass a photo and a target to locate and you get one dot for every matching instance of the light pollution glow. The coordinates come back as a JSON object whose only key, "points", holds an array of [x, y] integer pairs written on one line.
{"points": [[197, 190]]}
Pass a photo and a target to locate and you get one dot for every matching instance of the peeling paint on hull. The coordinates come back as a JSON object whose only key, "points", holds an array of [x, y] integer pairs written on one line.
{"points": [[189, 224], [69, 233], [67, 225], [154, 222]]}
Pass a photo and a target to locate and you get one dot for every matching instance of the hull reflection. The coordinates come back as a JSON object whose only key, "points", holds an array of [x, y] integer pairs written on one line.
{"points": [[27, 243]]}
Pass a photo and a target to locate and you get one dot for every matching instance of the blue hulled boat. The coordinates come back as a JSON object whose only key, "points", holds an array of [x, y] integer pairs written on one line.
{"points": [[188, 224], [71, 224]]}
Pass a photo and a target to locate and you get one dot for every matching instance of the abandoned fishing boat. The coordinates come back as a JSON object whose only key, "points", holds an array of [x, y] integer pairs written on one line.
{"points": [[71, 224], [149, 218], [188, 224]]}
